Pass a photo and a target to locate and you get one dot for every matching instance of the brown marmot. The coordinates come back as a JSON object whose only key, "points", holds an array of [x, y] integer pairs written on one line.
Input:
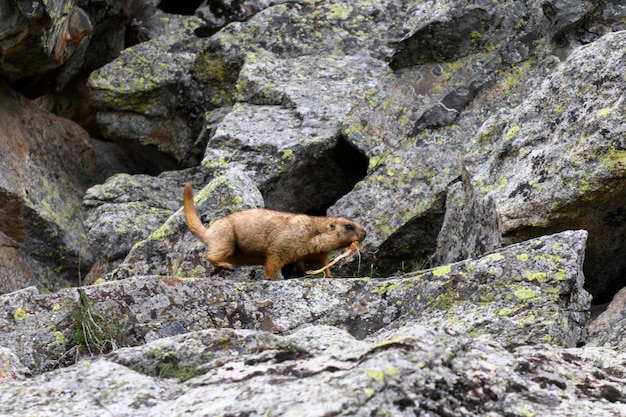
{"points": [[271, 238]]}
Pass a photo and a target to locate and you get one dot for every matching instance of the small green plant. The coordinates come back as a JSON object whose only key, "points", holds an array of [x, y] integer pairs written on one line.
{"points": [[97, 332], [372, 273], [174, 370], [418, 265], [169, 366]]}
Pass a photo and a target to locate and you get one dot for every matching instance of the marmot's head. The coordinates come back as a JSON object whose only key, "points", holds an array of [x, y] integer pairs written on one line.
{"points": [[346, 231]]}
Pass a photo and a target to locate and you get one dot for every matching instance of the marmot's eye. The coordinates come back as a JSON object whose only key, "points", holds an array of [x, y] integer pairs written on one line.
{"points": [[349, 227]]}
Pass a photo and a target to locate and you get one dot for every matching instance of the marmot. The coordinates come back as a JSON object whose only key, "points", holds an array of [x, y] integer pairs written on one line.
{"points": [[271, 238]]}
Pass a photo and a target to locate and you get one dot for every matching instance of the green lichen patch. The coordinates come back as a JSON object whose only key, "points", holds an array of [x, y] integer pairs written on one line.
{"points": [[540, 277], [379, 376], [20, 314], [441, 271], [385, 288], [525, 294]]}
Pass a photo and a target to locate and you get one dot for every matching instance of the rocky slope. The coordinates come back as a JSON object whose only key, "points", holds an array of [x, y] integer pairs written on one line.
{"points": [[482, 140]]}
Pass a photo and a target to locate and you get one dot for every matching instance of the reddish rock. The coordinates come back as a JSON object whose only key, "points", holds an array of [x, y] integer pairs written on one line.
{"points": [[46, 165], [39, 37]]}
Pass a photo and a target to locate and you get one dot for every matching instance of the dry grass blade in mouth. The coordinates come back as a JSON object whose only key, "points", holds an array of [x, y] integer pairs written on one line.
{"points": [[354, 246]]}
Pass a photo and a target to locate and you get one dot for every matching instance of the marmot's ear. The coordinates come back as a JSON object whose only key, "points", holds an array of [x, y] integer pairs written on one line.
{"points": [[331, 225]]}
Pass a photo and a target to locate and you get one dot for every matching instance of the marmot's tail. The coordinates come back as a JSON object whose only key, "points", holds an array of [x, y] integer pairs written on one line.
{"points": [[193, 221]]}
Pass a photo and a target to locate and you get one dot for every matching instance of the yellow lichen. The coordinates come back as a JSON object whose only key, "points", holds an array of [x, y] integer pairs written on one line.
{"points": [[442, 271], [379, 376], [20, 314], [512, 132], [525, 294], [604, 112], [536, 276]]}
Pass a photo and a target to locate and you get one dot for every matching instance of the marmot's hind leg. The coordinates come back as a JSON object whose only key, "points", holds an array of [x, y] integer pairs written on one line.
{"points": [[221, 245], [273, 264]]}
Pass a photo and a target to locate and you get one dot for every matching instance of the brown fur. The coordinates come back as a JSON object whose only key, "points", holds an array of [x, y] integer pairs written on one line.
{"points": [[271, 238]]}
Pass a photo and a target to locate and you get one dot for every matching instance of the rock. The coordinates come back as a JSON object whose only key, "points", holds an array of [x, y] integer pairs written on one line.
{"points": [[558, 162], [324, 28], [149, 20], [419, 122], [41, 192], [607, 330], [285, 157], [217, 14], [161, 101], [40, 36], [502, 295], [322, 370], [10, 366], [449, 112], [141, 107], [411, 166], [127, 208]]}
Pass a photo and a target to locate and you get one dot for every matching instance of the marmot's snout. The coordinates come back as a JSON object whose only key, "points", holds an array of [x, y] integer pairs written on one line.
{"points": [[357, 229]]}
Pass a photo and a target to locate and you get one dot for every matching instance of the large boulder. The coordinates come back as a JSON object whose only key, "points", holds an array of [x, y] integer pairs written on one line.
{"points": [[445, 134], [163, 98], [41, 189], [322, 370], [126, 209], [420, 121], [204, 345], [146, 106], [557, 163], [527, 293], [37, 37]]}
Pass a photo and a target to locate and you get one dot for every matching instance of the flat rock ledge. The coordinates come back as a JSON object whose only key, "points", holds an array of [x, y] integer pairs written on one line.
{"points": [[323, 371], [491, 336]]}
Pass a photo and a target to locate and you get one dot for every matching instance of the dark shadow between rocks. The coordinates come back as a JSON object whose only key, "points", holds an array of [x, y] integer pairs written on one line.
{"points": [[411, 247], [148, 159], [187, 7], [318, 183], [605, 265]]}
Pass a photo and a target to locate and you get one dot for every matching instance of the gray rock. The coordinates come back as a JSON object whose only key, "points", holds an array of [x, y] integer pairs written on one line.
{"points": [[141, 106], [296, 167], [502, 294], [426, 126], [402, 199], [37, 37], [607, 330], [163, 98], [418, 124], [126, 209], [322, 370], [558, 165], [217, 14], [41, 189]]}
